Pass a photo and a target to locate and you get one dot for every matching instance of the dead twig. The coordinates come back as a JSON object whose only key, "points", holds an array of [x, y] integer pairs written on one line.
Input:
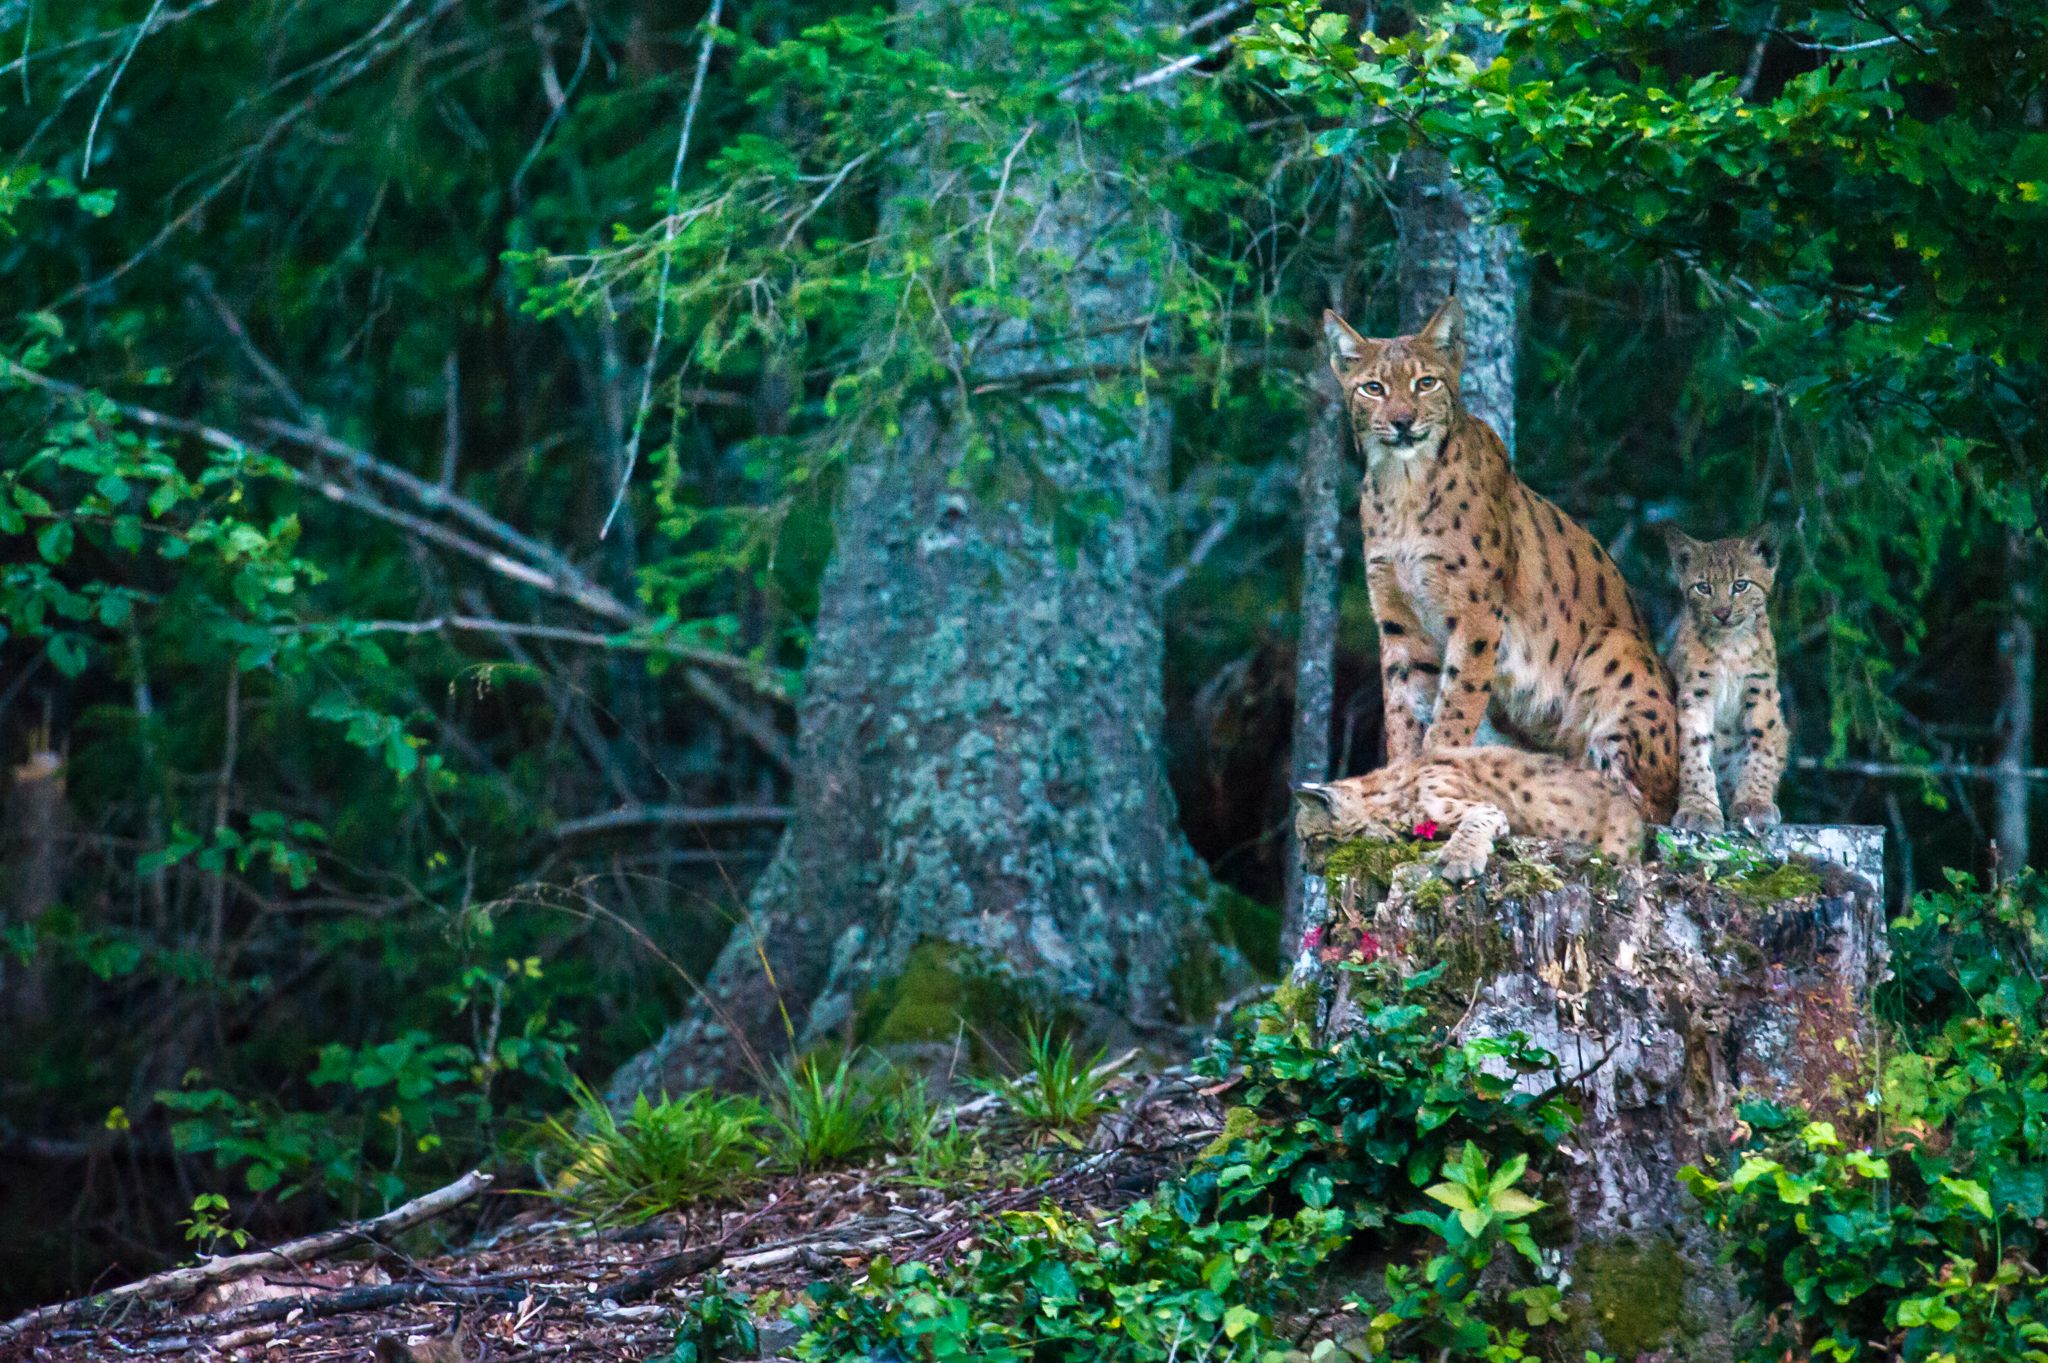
{"points": [[180, 1283]]}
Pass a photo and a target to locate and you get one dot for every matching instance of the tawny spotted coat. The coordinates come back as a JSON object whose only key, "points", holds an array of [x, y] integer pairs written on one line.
{"points": [[1485, 593], [1726, 664], [1475, 795]]}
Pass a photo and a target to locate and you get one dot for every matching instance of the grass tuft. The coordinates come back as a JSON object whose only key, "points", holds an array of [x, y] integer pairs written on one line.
{"points": [[660, 1155]]}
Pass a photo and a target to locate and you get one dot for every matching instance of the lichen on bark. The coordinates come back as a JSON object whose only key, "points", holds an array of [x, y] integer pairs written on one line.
{"points": [[979, 760]]}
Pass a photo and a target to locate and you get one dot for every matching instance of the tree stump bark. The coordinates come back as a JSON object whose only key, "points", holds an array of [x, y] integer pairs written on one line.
{"points": [[1720, 970]]}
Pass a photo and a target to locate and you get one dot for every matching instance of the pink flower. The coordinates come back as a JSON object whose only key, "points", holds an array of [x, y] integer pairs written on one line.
{"points": [[1426, 830], [1368, 947], [1313, 938]]}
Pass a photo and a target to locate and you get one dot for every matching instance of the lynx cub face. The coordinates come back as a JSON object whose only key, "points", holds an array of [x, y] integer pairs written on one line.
{"points": [[1731, 723], [1727, 583]]}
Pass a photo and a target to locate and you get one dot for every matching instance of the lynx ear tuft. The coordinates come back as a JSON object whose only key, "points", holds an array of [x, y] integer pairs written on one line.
{"points": [[1445, 330], [1763, 542]]}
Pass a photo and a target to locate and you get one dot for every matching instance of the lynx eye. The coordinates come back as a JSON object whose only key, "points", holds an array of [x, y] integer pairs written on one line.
{"points": [[1703, 589], [1741, 586], [1374, 387], [1426, 382]]}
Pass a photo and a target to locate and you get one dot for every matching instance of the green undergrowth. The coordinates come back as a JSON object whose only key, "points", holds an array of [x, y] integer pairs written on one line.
{"points": [[1394, 1135], [1913, 1224]]}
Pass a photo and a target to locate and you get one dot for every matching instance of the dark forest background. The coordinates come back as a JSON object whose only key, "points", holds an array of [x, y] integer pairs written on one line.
{"points": [[490, 489]]}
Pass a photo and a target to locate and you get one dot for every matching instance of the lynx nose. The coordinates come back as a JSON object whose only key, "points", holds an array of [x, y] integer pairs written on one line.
{"points": [[1404, 426], [1722, 614]]}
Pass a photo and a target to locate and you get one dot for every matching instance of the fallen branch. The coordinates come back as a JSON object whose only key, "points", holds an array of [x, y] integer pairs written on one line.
{"points": [[671, 816], [1921, 771], [639, 1286], [180, 1283]]}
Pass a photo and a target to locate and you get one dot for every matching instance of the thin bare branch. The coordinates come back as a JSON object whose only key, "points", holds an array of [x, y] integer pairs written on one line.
{"points": [[671, 816], [668, 236]]}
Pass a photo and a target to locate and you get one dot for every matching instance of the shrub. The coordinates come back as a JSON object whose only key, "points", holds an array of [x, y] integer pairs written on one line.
{"points": [[1926, 1242], [1331, 1140]]}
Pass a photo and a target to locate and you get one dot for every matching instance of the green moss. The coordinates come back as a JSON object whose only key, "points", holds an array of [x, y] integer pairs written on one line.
{"points": [[1238, 1123], [1253, 928], [1295, 1003], [1432, 893], [1635, 1292], [941, 986], [1776, 883], [1195, 979], [1373, 859], [1518, 878]]}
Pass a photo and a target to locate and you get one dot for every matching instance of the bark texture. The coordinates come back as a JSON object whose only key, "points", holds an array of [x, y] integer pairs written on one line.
{"points": [[1449, 245], [979, 760], [1322, 561], [1668, 996], [2016, 673]]}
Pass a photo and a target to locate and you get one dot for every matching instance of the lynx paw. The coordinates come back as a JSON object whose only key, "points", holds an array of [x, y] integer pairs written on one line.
{"points": [[1756, 818], [1459, 869], [1697, 818]]}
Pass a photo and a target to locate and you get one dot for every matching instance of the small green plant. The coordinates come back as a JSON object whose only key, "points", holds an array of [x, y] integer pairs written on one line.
{"points": [[717, 1324], [661, 1155], [1058, 1092], [1437, 1310], [823, 1117], [1738, 865], [207, 1226]]}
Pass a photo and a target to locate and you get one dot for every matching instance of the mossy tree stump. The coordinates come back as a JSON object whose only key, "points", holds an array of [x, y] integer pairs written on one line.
{"points": [[1721, 969]]}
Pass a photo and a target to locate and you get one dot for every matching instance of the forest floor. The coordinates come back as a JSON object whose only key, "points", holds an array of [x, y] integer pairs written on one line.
{"points": [[540, 1285]]}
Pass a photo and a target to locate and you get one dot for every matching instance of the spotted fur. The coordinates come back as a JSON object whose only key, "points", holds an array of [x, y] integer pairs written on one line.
{"points": [[1476, 794], [1486, 594], [1731, 724]]}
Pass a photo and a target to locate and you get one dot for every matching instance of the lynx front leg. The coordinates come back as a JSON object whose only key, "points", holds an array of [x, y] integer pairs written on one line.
{"points": [[1467, 683], [1755, 804], [1622, 692], [1409, 664], [1699, 800], [1474, 824]]}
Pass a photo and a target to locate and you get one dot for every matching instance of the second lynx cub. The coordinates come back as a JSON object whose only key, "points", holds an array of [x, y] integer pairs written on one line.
{"points": [[1476, 794], [1732, 738]]}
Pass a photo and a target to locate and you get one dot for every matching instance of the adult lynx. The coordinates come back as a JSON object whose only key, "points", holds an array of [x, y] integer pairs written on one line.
{"points": [[1485, 592]]}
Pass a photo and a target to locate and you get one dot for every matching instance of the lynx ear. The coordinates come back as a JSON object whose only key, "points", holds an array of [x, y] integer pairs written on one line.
{"points": [[1763, 543], [1445, 330], [1347, 347], [1681, 545], [1313, 799]]}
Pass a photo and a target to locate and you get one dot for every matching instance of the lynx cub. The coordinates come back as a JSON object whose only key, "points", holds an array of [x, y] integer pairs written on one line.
{"points": [[1733, 737], [1476, 794]]}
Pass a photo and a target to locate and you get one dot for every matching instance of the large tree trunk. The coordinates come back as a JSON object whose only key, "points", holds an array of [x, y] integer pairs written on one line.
{"points": [[1448, 244], [979, 757]]}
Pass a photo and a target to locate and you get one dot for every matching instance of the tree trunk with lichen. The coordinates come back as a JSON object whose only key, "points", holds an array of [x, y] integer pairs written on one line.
{"points": [[1669, 992], [980, 808]]}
